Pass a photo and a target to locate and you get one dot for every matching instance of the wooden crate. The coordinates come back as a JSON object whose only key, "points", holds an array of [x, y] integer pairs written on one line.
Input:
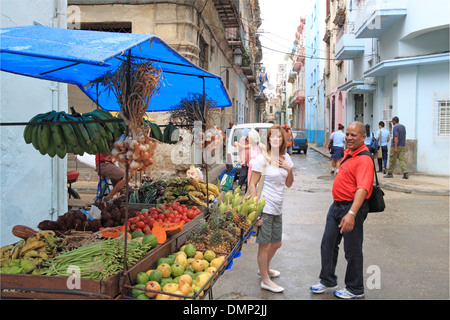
{"points": [[50, 287]]}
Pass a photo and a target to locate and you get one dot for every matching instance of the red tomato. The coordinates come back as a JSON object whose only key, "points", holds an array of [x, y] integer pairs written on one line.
{"points": [[191, 214], [134, 220], [194, 208], [138, 229], [161, 216], [140, 224]]}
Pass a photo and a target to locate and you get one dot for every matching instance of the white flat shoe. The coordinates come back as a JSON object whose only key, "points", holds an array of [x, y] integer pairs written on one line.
{"points": [[278, 289], [275, 273]]}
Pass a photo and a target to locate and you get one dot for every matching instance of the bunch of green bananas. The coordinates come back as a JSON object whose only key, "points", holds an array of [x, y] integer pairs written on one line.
{"points": [[77, 138]]}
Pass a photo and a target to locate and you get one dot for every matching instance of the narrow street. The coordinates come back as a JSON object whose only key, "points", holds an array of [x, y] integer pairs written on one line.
{"points": [[407, 245]]}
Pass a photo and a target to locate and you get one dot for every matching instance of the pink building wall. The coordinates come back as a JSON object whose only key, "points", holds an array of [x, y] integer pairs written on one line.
{"points": [[339, 109]]}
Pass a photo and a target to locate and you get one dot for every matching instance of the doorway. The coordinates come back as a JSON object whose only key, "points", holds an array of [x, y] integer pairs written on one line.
{"points": [[359, 107]]}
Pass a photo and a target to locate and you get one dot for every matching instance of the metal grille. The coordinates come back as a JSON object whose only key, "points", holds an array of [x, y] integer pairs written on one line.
{"points": [[441, 115], [387, 113], [120, 27]]}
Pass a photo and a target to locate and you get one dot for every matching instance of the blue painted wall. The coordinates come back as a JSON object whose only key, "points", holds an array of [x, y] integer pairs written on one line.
{"points": [[314, 68]]}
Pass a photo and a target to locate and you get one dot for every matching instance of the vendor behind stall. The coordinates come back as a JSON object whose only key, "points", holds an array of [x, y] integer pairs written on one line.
{"points": [[108, 169]]}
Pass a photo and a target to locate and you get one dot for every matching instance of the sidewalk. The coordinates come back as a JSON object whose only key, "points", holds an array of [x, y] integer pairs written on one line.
{"points": [[417, 183]]}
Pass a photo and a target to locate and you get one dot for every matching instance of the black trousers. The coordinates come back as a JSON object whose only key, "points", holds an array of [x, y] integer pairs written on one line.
{"points": [[243, 177]]}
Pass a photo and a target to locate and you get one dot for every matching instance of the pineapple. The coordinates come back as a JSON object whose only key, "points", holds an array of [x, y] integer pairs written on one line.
{"points": [[216, 241]]}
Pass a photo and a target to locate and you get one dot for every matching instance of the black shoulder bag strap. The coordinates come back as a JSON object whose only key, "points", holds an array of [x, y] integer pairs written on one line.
{"points": [[367, 153]]}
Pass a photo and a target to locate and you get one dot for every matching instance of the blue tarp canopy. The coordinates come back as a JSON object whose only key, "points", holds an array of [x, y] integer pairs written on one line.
{"points": [[79, 57]]}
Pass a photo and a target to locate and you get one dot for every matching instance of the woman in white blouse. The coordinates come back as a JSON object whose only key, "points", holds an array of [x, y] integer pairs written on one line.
{"points": [[278, 175]]}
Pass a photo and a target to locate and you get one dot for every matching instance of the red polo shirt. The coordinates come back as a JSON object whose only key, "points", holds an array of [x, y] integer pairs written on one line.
{"points": [[355, 173]]}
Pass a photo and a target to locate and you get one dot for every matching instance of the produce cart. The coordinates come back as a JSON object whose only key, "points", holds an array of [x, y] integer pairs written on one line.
{"points": [[88, 59]]}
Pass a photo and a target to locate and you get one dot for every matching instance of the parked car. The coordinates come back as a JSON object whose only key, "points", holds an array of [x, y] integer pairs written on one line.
{"points": [[300, 141], [235, 135]]}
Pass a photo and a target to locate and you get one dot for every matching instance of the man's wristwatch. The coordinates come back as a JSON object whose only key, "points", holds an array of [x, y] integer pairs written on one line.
{"points": [[352, 213]]}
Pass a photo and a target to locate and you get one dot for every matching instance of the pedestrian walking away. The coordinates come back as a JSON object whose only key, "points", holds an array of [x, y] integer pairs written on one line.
{"points": [[244, 157], [369, 137], [338, 138], [383, 137], [398, 149], [289, 138], [352, 187], [272, 169], [256, 147]]}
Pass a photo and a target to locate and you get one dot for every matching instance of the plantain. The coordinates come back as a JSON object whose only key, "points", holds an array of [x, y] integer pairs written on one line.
{"points": [[214, 189], [197, 194], [156, 132], [80, 132], [93, 131], [58, 138], [45, 132], [16, 251], [51, 149], [84, 134], [46, 233], [6, 248], [195, 199], [41, 236], [190, 187], [31, 254], [69, 134], [28, 132], [194, 182], [32, 246], [101, 114], [35, 135]]}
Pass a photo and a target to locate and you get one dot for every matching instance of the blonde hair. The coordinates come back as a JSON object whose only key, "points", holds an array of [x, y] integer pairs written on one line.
{"points": [[253, 137], [283, 145]]}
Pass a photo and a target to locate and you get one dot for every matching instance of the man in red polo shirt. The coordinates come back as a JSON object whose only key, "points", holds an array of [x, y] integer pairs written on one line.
{"points": [[351, 188]]}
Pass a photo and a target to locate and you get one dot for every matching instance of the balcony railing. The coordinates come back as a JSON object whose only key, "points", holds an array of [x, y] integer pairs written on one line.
{"points": [[347, 47], [375, 17], [299, 96]]}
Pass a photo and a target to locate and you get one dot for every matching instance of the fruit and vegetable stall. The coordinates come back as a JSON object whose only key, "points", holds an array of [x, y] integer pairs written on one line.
{"points": [[81, 258], [163, 239]]}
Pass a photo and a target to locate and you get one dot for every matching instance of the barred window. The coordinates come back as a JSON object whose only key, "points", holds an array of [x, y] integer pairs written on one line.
{"points": [[444, 117]]}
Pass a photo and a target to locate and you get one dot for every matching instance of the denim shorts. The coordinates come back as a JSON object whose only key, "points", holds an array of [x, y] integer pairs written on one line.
{"points": [[271, 229]]}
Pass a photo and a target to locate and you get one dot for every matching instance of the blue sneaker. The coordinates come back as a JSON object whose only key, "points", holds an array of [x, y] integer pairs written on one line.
{"points": [[345, 294], [320, 288]]}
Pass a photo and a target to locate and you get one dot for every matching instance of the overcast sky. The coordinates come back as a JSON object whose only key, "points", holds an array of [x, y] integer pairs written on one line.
{"points": [[280, 20]]}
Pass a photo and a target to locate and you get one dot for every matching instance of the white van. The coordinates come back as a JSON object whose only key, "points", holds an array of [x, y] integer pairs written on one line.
{"points": [[232, 158]]}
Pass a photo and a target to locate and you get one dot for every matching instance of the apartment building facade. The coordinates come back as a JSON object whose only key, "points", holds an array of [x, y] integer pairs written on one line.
{"points": [[398, 65], [296, 78], [315, 115], [211, 34], [335, 66]]}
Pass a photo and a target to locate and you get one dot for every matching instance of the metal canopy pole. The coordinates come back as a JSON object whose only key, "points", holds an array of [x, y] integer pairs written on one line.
{"points": [[127, 167]]}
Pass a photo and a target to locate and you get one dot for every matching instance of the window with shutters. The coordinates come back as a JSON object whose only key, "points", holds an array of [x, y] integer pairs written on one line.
{"points": [[444, 118]]}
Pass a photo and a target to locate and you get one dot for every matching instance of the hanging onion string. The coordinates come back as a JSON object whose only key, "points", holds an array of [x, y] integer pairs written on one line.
{"points": [[133, 84]]}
